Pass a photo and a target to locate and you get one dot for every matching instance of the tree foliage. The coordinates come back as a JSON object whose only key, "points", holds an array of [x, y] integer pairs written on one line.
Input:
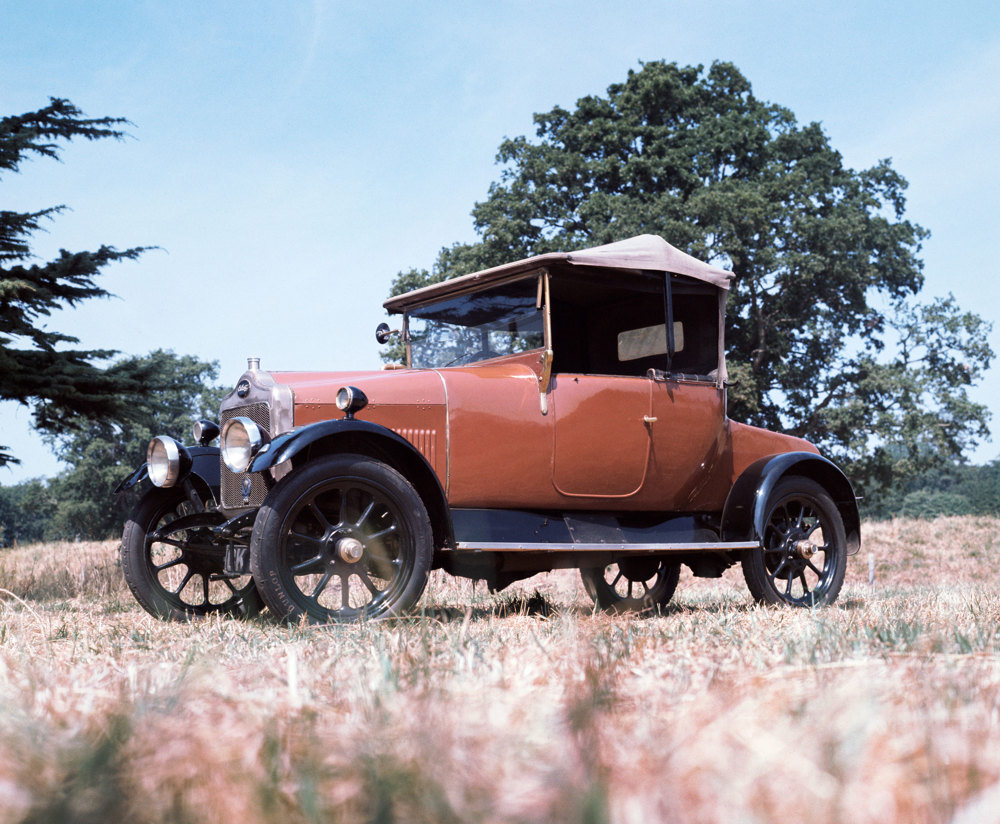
{"points": [[80, 502], [895, 418], [63, 385], [101, 453], [26, 511], [826, 264], [952, 489]]}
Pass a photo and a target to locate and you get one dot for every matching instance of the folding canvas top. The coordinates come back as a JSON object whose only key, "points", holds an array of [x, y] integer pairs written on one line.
{"points": [[643, 252]]}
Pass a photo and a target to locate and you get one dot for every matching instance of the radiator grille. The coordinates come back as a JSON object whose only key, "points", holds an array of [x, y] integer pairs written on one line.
{"points": [[232, 482]]}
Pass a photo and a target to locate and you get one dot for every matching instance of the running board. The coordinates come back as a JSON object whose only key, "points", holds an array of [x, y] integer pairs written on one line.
{"points": [[494, 546]]}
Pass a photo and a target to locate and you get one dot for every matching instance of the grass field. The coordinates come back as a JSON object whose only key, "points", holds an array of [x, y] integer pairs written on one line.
{"points": [[523, 706]]}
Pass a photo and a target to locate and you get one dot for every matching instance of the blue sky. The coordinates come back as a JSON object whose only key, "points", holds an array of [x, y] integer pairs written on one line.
{"points": [[290, 157]]}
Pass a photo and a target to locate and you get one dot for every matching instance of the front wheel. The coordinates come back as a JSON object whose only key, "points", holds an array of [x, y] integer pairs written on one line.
{"points": [[638, 584], [803, 554], [343, 538], [176, 573]]}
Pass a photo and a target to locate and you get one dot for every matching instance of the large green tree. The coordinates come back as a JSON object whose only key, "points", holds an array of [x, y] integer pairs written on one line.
{"points": [[64, 386], [823, 337]]}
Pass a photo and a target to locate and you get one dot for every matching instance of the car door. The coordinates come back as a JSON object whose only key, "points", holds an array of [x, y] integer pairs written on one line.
{"points": [[689, 437], [601, 439]]}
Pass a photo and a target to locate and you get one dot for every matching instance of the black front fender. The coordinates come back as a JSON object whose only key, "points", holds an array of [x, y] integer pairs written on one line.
{"points": [[137, 476], [351, 434], [204, 467], [287, 446], [746, 506]]}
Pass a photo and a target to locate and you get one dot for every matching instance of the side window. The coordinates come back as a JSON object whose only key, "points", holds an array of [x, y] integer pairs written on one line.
{"points": [[697, 312], [605, 324]]}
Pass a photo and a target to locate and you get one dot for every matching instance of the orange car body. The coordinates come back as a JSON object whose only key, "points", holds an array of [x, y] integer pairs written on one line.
{"points": [[607, 442], [566, 410], [591, 405]]}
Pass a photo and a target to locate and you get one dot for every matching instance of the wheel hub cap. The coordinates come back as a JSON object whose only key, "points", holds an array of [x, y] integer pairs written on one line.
{"points": [[805, 549], [350, 549]]}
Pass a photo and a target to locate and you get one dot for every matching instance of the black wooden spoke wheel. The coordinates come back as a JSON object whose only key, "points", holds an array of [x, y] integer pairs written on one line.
{"points": [[177, 573], [342, 538], [803, 554], [636, 584]]}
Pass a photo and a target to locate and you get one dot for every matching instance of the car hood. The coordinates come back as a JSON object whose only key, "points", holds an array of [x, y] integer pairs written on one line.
{"points": [[390, 387]]}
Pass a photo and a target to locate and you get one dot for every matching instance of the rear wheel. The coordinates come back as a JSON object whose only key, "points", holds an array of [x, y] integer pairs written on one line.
{"points": [[177, 573], [632, 584], [803, 554], [344, 537]]}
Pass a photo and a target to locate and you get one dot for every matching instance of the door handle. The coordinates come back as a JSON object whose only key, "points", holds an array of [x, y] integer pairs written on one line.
{"points": [[648, 419]]}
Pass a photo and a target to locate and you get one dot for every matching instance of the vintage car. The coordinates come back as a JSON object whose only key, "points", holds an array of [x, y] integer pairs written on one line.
{"points": [[564, 411]]}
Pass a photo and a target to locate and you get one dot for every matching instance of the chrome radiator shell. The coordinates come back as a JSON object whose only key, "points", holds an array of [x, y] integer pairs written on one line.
{"points": [[268, 404]]}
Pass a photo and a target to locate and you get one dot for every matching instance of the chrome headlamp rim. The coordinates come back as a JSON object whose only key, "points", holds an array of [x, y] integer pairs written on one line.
{"points": [[350, 399], [205, 431], [241, 440], [345, 395], [163, 461]]}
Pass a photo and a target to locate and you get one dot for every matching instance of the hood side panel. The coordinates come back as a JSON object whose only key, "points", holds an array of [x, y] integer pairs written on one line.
{"points": [[410, 402]]}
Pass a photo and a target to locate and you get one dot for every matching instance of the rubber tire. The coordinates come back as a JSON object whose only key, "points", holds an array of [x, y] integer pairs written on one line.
{"points": [[416, 547], [602, 594], [141, 578], [758, 579]]}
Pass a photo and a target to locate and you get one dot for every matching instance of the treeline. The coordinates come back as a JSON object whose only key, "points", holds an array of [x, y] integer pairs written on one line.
{"points": [[869, 371], [949, 490], [30, 512]]}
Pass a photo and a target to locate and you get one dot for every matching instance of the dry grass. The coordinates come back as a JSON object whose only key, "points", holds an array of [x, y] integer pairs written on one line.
{"points": [[520, 707]]}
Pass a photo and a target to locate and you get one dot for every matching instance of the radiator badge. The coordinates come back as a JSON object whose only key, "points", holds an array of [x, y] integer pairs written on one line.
{"points": [[243, 388], [246, 490]]}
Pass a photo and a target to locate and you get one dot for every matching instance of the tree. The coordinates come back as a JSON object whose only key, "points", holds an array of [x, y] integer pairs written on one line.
{"points": [[63, 386], [103, 452], [899, 417], [817, 248], [945, 490], [26, 509]]}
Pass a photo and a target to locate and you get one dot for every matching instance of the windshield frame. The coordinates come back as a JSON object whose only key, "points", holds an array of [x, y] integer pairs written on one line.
{"points": [[541, 305]]}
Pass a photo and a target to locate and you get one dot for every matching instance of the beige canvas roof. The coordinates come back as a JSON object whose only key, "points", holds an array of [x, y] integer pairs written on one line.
{"points": [[649, 252]]}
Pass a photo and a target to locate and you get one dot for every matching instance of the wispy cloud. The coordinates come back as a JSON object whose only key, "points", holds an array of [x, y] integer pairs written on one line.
{"points": [[314, 35]]}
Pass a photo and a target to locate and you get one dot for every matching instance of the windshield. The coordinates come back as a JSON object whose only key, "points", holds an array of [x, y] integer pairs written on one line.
{"points": [[503, 320]]}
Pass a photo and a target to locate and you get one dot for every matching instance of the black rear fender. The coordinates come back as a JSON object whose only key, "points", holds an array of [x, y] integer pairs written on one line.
{"points": [[746, 506]]}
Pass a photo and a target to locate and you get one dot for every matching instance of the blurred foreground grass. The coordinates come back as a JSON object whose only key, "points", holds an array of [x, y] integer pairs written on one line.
{"points": [[525, 706]]}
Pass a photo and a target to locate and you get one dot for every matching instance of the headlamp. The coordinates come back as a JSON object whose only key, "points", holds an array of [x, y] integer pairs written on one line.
{"points": [[241, 440], [166, 461], [205, 432], [350, 399]]}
